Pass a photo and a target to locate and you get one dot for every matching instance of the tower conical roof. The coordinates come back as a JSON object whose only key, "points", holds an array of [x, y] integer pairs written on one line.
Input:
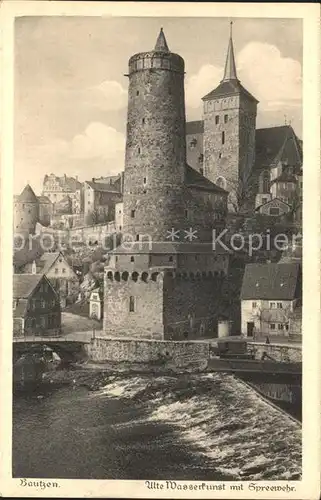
{"points": [[161, 44], [230, 66], [28, 195]]}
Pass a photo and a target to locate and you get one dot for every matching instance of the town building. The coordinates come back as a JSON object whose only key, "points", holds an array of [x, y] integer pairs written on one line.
{"points": [[100, 199], [36, 306], [61, 275], [45, 210], [274, 206], [271, 300], [254, 165], [165, 281], [58, 188]]}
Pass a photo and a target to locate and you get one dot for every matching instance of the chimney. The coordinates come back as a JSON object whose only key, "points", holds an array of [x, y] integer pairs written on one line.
{"points": [[93, 179], [76, 177]]}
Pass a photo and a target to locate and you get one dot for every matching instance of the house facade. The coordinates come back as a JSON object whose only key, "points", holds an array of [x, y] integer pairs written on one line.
{"points": [[36, 306], [99, 201], [60, 274], [271, 299], [62, 188], [274, 207]]}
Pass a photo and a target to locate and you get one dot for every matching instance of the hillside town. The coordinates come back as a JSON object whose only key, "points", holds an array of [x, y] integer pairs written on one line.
{"points": [[198, 237]]}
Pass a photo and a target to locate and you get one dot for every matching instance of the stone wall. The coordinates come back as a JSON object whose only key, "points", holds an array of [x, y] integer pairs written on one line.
{"points": [[157, 354], [191, 306], [146, 320], [284, 353]]}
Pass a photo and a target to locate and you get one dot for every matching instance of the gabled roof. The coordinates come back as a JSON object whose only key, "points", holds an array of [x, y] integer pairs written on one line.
{"points": [[103, 187], [28, 195], [47, 260], [195, 127], [269, 202], [275, 144], [44, 200], [196, 180], [24, 285], [271, 281]]}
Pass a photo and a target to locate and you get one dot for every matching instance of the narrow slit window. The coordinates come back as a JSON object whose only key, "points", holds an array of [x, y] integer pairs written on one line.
{"points": [[131, 304], [223, 137], [217, 119], [132, 214]]}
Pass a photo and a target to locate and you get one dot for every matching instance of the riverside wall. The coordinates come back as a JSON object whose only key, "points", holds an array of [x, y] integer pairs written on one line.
{"points": [[282, 352], [168, 355]]}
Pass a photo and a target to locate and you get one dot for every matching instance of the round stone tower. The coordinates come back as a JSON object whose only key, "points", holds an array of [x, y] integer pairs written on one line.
{"points": [[156, 145], [26, 212]]}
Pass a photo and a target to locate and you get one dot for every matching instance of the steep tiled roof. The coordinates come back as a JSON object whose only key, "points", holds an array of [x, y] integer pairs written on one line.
{"points": [[195, 179], [102, 187], [276, 144], [269, 202], [195, 127], [24, 284], [47, 260], [271, 282], [28, 195], [44, 199], [227, 88]]}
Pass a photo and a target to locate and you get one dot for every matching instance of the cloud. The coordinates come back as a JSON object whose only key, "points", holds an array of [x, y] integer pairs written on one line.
{"points": [[273, 79], [97, 151], [197, 86], [109, 95], [98, 140]]}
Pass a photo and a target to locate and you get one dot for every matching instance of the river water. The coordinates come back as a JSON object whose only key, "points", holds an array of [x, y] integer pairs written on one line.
{"points": [[188, 427]]}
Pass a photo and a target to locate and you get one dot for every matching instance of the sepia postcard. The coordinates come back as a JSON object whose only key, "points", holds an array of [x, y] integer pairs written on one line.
{"points": [[160, 250]]}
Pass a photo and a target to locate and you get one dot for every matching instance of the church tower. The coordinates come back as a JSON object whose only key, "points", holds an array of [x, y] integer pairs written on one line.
{"points": [[156, 146], [229, 113]]}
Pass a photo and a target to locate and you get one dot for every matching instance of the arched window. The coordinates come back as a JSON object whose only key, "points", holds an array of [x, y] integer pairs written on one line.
{"points": [[265, 182]]}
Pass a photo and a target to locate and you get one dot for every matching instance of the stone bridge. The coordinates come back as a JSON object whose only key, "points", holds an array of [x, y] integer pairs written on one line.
{"points": [[70, 348]]}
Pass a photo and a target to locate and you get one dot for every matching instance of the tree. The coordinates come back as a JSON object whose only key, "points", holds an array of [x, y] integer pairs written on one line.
{"points": [[242, 192]]}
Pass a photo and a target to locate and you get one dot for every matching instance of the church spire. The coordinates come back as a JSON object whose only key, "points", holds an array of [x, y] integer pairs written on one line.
{"points": [[230, 67], [161, 44]]}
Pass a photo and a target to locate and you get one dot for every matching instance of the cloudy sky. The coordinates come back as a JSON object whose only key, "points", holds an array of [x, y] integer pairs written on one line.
{"points": [[71, 92]]}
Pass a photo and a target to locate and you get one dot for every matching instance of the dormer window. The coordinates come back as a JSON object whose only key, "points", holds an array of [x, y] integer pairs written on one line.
{"points": [[201, 158], [193, 143]]}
